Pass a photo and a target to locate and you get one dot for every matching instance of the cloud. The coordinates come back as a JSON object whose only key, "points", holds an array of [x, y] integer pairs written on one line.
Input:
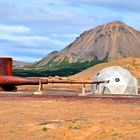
{"points": [[13, 29], [18, 41], [25, 59], [9, 33], [30, 40], [116, 4], [66, 36], [24, 53], [36, 10]]}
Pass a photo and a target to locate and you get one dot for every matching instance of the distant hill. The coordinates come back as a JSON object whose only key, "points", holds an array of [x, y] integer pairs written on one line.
{"points": [[107, 42], [19, 64]]}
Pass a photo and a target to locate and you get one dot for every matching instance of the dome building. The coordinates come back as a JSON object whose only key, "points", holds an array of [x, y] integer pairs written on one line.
{"points": [[121, 81]]}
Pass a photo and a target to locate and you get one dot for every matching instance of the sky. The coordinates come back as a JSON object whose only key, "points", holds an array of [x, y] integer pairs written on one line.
{"points": [[30, 29]]}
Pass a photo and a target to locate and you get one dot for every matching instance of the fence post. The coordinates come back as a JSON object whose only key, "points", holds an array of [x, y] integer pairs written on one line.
{"points": [[40, 87], [83, 90]]}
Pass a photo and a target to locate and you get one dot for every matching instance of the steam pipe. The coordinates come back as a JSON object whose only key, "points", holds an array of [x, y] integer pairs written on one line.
{"points": [[9, 83]]}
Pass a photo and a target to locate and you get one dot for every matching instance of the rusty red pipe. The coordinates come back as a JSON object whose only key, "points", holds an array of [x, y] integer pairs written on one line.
{"points": [[14, 80], [9, 83]]}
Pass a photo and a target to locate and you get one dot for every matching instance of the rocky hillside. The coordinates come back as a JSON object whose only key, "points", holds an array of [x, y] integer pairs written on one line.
{"points": [[113, 40]]}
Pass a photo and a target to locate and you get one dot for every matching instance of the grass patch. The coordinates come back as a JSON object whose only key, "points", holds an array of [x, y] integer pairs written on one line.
{"points": [[75, 127], [112, 133], [117, 134], [45, 129]]}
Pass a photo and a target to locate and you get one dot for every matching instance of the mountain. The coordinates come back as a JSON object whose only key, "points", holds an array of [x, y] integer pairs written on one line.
{"points": [[104, 43], [19, 64], [114, 40]]}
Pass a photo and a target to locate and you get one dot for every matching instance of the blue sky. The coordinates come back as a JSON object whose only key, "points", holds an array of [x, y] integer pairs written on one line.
{"points": [[30, 29]]}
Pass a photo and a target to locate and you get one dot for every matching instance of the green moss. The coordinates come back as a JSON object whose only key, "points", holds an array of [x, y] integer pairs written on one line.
{"points": [[45, 129]]}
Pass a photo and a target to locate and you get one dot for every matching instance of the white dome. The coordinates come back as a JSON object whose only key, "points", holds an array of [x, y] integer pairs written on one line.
{"points": [[121, 81]]}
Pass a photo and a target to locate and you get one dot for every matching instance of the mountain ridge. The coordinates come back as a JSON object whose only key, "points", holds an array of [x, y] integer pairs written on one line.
{"points": [[113, 39]]}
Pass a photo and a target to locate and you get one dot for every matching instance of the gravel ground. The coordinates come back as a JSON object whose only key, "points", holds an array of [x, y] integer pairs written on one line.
{"points": [[62, 119]]}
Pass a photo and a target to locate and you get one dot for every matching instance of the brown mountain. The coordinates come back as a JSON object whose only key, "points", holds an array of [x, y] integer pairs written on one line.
{"points": [[113, 40]]}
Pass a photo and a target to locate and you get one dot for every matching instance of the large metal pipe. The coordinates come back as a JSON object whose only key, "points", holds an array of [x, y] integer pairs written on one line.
{"points": [[75, 82], [8, 83], [14, 80]]}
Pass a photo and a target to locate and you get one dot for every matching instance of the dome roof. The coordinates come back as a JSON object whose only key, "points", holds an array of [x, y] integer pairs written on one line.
{"points": [[121, 81]]}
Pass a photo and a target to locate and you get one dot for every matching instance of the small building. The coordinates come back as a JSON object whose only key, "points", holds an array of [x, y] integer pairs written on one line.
{"points": [[121, 81]]}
